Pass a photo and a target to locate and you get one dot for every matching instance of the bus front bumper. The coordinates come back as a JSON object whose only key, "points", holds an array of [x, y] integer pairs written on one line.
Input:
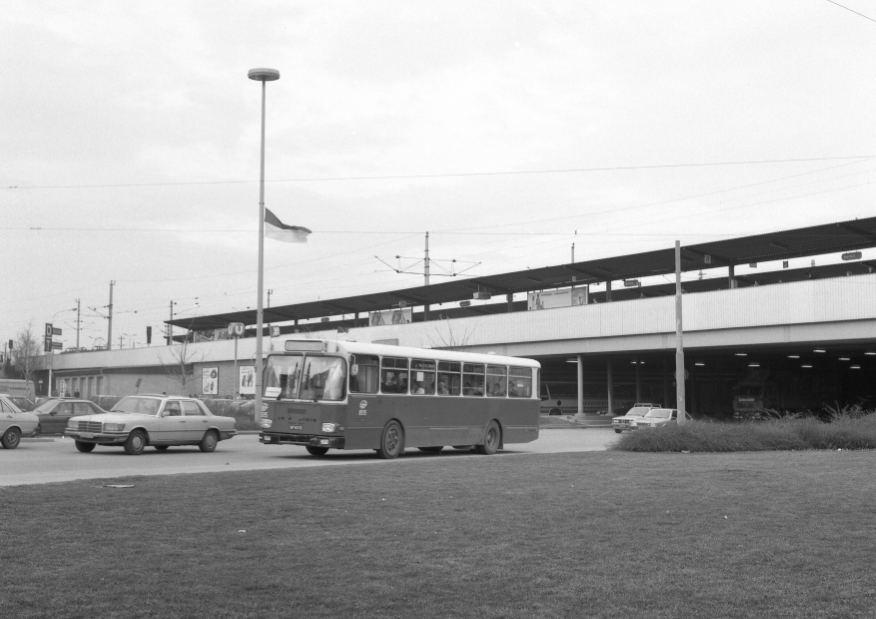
{"points": [[282, 438]]}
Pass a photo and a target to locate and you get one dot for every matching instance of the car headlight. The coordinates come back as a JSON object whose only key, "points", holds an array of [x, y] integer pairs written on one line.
{"points": [[266, 423], [328, 427], [113, 427]]}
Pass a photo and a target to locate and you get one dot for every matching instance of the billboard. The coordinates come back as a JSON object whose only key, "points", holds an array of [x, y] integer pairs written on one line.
{"points": [[391, 317], [246, 380], [210, 381], [549, 299]]}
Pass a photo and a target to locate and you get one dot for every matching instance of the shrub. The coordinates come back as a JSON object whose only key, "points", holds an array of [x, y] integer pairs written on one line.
{"points": [[845, 430], [241, 410]]}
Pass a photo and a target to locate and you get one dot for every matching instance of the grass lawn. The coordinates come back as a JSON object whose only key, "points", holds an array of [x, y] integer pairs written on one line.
{"points": [[612, 534]]}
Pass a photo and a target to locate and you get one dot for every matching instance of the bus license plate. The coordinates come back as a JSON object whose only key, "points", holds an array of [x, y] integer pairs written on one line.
{"points": [[291, 427]]}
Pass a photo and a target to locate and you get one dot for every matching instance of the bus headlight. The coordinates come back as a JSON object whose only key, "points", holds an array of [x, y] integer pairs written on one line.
{"points": [[266, 423], [328, 427]]}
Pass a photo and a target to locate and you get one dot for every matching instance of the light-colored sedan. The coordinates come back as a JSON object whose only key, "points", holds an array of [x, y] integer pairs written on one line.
{"points": [[160, 421], [628, 421], [659, 417], [14, 424]]}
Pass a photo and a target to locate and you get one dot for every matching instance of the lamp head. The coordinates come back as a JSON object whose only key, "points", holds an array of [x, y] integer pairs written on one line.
{"points": [[263, 75]]}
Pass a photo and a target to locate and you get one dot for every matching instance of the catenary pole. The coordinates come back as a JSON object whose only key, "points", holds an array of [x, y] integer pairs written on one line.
{"points": [[679, 344]]}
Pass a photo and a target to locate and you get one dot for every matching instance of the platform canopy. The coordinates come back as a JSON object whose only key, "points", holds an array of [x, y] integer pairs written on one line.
{"points": [[812, 241]]}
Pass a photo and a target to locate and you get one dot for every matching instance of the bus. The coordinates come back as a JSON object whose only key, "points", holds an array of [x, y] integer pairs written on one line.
{"points": [[327, 394]]}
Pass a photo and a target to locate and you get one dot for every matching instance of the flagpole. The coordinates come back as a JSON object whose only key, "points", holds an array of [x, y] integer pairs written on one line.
{"points": [[261, 75]]}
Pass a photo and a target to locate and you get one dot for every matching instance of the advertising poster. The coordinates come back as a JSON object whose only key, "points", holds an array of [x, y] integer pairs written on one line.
{"points": [[246, 380], [391, 317], [210, 381]]}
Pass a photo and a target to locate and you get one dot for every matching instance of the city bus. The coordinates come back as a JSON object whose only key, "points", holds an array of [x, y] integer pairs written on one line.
{"points": [[327, 394]]}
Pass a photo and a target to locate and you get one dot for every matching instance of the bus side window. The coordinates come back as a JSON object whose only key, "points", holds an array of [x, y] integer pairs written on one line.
{"points": [[394, 375], [520, 382], [497, 381], [473, 379], [449, 377], [423, 376], [367, 373]]}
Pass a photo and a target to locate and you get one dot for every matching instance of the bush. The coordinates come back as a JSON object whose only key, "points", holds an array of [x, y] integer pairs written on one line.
{"points": [[241, 410], [846, 429]]}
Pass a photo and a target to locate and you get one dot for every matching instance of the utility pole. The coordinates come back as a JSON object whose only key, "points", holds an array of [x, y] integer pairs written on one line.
{"points": [[109, 332], [78, 324], [170, 327], [679, 345], [426, 261]]}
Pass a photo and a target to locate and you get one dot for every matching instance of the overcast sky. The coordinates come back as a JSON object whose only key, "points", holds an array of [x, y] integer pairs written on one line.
{"points": [[507, 129]]}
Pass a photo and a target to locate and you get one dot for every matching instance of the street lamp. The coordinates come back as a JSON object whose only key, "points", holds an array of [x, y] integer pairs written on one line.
{"points": [[50, 353], [263, 76]]}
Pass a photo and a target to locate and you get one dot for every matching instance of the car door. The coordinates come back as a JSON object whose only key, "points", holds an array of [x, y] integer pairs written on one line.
{"points": [[6, 416], [195, 420], [56, 420], [171, 423]]}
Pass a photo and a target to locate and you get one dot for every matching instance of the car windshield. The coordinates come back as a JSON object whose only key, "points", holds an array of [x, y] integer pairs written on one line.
{"points": [[141, 406], [659, 413], [46, 406], [637, 412]]}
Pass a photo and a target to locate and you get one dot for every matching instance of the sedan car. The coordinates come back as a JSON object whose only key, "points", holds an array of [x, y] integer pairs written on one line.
{"points": [[54, 413], [659, 417], [160, 421], [628, 421], [14, 424]]}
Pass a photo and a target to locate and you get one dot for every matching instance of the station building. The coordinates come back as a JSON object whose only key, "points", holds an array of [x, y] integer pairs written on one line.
{"points": [[792, 337]]}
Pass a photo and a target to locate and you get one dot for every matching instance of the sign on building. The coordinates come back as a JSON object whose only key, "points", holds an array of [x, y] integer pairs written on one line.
{"points": [[549, 299], [210, 381]]}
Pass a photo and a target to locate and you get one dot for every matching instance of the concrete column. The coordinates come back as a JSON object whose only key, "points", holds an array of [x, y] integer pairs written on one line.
{"points": [[608, 291], [638, 381], [581, 383], [510, 298], [610, 386], [425, 313], [731, 277]]}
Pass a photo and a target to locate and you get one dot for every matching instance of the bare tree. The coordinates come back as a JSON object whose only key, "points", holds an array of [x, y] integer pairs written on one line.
{"points": [[181, 365], [27, 352], [452, 341]]}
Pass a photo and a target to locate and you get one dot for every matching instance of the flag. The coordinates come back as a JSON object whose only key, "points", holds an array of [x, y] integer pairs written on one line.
{"points": [[277, 230]]}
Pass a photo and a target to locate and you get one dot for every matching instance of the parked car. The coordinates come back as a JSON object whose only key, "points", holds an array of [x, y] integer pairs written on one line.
{"points": [[659, 417], [14, 423], [54, 413], [160, 421], [628, 421], [24, 404]]}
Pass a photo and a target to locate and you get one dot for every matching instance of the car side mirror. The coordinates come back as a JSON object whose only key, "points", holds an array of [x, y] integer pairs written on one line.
{"points": [[53, 413]]}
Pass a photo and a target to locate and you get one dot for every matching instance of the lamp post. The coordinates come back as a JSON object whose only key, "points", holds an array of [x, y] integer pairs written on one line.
{"points": [[263, 76]]}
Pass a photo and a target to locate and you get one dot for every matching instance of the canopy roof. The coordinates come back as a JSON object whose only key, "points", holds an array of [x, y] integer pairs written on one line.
{"points": [[811, 241]]}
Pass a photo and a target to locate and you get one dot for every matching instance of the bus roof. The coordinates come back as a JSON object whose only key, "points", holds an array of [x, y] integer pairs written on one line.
{"points": [[388, 350]]}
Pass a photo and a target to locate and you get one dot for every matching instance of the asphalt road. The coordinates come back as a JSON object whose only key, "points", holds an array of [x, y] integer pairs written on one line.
{"points": [[55, 459]]}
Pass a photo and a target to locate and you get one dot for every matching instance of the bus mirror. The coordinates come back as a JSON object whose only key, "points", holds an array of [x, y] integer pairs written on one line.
{"points": [[354, 370]]}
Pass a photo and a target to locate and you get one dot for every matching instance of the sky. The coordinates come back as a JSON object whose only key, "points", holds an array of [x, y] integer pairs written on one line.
{"points": [[507, 130]]}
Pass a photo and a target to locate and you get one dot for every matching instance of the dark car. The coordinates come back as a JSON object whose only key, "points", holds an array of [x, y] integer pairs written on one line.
{"points": [[55, 412]]}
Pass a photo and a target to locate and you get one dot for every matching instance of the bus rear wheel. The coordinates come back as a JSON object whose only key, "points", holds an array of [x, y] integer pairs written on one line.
{"points": [[392, 441], [492, 440], [316, 451]]}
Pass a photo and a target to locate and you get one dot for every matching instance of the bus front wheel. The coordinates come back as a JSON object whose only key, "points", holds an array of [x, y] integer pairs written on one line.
{"points": [[492, 440], [316, 451], [392, 441]]}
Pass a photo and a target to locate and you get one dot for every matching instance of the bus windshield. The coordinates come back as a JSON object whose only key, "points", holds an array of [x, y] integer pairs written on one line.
{"points": [[290, 377]]}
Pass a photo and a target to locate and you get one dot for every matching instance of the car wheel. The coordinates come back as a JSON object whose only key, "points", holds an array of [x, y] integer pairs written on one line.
{"points": [[431, 450], [136, 443], [160, 447], [392, 441], [492, 440], [617, 431], [85, 447], [11, 438], [316, 451], [209, 442]]}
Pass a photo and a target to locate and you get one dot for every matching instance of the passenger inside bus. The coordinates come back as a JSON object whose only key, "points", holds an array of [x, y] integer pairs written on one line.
{"points": [[442, 388], [418, 389]]}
